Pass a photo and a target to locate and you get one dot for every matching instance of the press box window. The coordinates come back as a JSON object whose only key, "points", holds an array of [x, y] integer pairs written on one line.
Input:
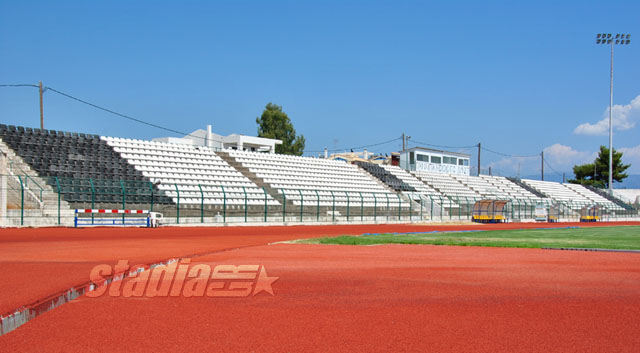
{"points": [[436, 160]]}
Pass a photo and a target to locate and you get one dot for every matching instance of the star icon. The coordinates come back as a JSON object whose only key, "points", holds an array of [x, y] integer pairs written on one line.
{"points": [[264, 282]]}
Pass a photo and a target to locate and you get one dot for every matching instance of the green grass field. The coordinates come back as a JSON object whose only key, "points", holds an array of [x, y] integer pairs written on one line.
{"points": [[621, 237]]}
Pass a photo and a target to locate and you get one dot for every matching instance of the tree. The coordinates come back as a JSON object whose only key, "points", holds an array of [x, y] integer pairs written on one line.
{"points": [[597, 173], [275, 124]]}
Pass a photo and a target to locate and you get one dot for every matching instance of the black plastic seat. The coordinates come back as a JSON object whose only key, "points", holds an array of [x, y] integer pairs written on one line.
{"points": [[74, 158]]}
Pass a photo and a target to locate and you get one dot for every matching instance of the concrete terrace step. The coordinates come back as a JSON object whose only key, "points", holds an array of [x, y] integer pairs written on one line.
{"points": [[45, 194], [252, 176]]}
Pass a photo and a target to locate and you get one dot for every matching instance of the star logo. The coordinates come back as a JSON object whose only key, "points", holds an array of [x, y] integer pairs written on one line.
{"points": [[264, 282]]}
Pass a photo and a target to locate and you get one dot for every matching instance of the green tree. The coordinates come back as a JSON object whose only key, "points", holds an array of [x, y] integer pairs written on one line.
{"points": [[275, 124], [597, 173]]}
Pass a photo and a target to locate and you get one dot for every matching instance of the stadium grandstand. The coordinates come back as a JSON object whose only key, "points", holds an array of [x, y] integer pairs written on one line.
{"points": [[573, 195], [631, 196], [175, 168], [56, 177]]}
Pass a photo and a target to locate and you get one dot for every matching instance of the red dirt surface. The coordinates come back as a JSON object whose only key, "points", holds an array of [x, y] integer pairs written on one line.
{"points": [[372, 298], [39, 262]]}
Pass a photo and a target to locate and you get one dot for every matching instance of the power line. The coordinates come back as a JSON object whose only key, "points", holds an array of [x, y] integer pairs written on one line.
{"points": [[510, 155], [116, 113], [357, 147], [474, 146], [440, 146], [20, 85], [101, 108], [549, 165]]}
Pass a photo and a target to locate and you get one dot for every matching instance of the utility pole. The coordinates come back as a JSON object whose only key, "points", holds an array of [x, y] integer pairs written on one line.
{"points": [[479, 148], [41, 108], [403, 143], [542, 163], [489, 171], [563, 178]]}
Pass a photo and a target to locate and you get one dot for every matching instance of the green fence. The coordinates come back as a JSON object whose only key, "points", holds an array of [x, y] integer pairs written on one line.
{"points": [[36, 201]]}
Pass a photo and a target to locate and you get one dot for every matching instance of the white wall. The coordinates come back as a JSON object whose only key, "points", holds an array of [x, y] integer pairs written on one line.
{"points": [[443, 168]]}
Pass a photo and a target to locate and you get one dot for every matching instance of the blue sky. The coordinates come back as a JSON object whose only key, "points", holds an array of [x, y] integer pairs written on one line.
{"points": [[518, 77]]}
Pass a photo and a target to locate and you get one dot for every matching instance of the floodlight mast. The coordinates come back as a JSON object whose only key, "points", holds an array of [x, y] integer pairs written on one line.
{"points": [[620, 39]]}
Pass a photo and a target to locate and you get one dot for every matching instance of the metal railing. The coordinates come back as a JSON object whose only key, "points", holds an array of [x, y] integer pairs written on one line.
{"points": [[53, 203]]}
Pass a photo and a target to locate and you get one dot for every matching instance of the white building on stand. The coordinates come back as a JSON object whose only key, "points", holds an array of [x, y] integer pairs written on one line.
{"points": [[436, 161], [207, 138]]}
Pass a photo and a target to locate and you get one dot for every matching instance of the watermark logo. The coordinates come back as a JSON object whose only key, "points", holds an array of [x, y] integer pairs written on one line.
{"points": [[179, 278]]}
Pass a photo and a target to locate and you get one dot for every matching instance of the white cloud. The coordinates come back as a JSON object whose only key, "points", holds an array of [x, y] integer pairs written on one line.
{"points": [[631, 155], [510, 166], [562, 158], [623, 119], [633, 152], [565, 157]]}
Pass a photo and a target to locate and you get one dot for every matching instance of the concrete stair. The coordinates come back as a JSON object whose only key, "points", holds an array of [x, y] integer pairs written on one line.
{"points": [[40, 199], [252, 176], [405, 199]]}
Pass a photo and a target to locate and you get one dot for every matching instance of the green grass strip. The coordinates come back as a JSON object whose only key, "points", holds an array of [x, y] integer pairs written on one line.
{"points": [[620, 237]]}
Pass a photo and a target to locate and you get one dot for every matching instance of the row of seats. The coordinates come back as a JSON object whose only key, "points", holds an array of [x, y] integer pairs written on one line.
{"points": [[344, 198], [85, 198], [27, 131], [108, 191], [510, 189], [330, 171], [479, 185]]}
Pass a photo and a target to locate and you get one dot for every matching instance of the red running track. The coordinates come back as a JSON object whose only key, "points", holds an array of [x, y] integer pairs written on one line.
{"points": [[37, 263], [373, 298]]}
